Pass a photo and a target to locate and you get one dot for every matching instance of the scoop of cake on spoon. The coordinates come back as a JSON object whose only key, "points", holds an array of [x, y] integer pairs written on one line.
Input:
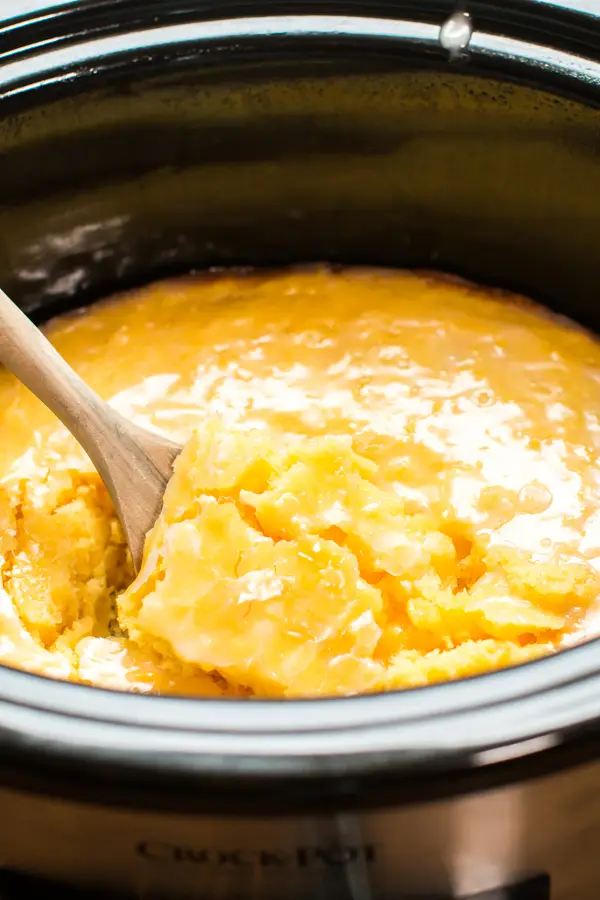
{"points": [[135, 464]]}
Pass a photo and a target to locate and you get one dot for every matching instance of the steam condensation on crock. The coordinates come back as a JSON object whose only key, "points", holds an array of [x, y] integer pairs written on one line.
{"points": [[456, 33]]}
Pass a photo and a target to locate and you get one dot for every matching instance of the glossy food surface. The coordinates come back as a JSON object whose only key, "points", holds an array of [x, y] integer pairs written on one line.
{"points": [[390, 479]]}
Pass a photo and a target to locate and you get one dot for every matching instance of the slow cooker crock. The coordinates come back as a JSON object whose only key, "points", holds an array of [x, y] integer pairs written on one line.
{"points": [[139, 139]]}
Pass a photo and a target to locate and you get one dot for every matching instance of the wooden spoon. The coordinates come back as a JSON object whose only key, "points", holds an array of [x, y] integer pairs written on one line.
{"points": [[135, 464]]}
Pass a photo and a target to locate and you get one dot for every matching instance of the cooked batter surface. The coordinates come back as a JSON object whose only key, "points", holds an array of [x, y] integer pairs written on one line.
{"points": [[389, 479]]}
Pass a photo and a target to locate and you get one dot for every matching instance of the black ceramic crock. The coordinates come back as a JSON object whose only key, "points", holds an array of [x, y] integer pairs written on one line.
{"points": [[145, 138]]}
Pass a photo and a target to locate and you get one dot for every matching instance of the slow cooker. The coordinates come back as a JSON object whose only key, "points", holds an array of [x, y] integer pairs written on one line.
{"points": [[140, 138]]}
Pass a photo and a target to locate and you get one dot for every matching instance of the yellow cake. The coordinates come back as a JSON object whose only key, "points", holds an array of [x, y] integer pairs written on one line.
{"points": [[389, 479]]}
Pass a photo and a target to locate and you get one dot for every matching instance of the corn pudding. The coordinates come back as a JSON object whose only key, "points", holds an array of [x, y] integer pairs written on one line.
{"points": [[389, 479]]}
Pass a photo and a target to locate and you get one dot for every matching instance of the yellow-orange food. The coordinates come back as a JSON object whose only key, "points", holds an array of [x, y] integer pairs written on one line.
{"points": [[389, 479]]}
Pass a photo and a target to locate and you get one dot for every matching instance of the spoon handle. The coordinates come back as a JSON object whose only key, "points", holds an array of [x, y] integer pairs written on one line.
{"points": [[31, 357], [134, 464]]}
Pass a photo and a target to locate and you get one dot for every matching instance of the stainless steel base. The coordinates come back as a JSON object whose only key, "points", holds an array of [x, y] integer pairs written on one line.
{"points": [[535, 841]]}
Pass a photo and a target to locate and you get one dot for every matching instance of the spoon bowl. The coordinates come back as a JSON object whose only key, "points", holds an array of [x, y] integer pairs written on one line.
{"points": [[135, 464]]}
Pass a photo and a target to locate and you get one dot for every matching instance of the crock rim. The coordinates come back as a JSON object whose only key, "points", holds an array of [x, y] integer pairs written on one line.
{"points": [[80, 57]]}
